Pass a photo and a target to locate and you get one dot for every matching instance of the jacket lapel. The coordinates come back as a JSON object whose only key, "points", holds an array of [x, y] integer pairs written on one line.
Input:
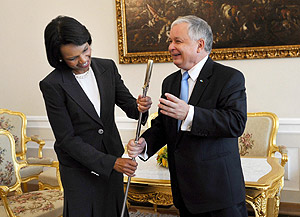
{"points": [[104, 86], [74, 90], [175, 90], [176, 84], [199, 88], [202, 82]]}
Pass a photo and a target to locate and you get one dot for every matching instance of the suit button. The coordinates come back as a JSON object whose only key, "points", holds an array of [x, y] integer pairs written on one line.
{"points": [[100, 131]]}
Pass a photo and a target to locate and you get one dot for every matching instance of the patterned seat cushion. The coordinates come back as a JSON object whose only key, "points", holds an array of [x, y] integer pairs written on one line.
{"points": [[28, 171], [47, 203], [49, 177]]}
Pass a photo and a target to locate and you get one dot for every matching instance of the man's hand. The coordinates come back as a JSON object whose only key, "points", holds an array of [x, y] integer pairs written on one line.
{"points": [[126, 166], [134, 149], [144, 103], [173, 107]]}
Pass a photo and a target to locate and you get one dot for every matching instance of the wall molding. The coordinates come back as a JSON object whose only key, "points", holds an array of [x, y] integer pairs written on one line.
{"points": [[289, 125], [286, 125], [38, 122]]}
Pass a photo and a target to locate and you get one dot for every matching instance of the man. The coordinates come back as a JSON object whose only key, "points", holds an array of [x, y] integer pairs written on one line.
{"points": [[203, 153]]}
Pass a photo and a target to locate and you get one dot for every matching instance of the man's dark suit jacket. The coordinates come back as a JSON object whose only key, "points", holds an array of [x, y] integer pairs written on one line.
{"points": [[85, 142], [204, 163]]}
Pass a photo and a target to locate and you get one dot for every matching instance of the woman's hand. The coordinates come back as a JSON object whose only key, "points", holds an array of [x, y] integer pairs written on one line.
{"points": [[126, 166], [144, 103]]}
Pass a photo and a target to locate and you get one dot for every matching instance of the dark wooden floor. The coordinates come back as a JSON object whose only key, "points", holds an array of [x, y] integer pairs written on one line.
{"points": [[289, 209]]}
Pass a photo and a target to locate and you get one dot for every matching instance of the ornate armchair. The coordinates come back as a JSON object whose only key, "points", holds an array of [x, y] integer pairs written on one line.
{"points": [[259, 137], [259, 140], [15, 123], [13, 202]]}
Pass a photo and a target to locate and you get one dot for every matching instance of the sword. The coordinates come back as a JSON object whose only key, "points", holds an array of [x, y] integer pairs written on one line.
{"points": [[138, 130]]}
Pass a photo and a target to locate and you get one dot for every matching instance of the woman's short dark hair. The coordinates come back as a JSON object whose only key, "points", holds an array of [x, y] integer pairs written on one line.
{"points": [[60, 31]]}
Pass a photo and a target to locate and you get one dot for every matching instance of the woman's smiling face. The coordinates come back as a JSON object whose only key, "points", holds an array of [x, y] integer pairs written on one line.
{"points": [[78, 58]]}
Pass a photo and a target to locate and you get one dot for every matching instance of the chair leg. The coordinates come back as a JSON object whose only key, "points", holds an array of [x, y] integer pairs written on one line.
{"points": [[25, 187], [155, 207]]}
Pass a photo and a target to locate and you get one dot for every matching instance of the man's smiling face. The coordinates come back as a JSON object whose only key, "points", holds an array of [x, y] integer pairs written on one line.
{"points": [[184, 50]]}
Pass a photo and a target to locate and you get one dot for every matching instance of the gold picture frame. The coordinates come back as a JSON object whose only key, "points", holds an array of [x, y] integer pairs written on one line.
{"points": [[241, 30]]}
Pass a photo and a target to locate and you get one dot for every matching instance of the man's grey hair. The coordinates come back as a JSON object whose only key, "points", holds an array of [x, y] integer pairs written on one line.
{"points": [[197, 29]]}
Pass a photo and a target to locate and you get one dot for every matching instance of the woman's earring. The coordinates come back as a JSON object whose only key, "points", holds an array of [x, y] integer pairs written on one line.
{"points": [[60, 60]]}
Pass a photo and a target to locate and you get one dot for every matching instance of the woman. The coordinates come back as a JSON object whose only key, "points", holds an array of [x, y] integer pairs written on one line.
{"points": [[80, 96]]}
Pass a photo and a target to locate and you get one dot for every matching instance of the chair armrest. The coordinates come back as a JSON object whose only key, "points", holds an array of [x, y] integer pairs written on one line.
{"points": [[22, 163], [37, 160], [50, 174], [3, 191], [284, 156], [35, 138], [56, 165]]}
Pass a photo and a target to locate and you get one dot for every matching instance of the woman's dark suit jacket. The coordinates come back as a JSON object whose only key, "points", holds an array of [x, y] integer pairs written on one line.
{"points": [[204, 163], [86, 143]]}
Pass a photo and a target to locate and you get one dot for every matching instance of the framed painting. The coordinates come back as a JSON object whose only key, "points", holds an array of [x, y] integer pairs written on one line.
{"points": [[243, 29]]}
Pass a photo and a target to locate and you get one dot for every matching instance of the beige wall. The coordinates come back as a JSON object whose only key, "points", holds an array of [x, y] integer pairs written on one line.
{"points": [[272, 84]]}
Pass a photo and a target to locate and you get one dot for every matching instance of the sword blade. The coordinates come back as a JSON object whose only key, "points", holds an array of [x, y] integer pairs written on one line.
{"points": [[138, 130]]}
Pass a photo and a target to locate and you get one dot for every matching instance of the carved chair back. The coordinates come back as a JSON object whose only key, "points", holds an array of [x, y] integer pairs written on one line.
{"points": [[9, 175], [259, 137], [15, 123]]}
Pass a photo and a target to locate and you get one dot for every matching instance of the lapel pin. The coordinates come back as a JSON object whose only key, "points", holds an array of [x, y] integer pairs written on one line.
{"points": [[201, 81]]}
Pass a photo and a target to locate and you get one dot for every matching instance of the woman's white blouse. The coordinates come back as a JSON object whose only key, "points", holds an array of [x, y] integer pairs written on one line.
{"points": [[89, 85]]}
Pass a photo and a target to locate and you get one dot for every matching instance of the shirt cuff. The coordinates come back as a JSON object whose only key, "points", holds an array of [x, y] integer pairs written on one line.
{"points": [[187, 123], [144, 154]]}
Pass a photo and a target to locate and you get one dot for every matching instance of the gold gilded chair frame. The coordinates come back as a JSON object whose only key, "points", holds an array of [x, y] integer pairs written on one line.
{"points": [[272, 147], [25, 139], [21, 154], [6, 191]]}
